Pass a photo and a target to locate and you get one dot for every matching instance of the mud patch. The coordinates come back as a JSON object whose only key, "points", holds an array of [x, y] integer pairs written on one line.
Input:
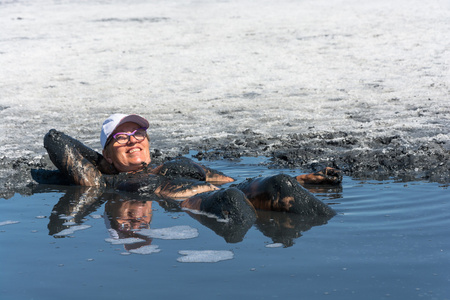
{"points": [[355, 154]]}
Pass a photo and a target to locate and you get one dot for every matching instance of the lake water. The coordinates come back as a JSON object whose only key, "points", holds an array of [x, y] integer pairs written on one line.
{"points": [[389, 240]]}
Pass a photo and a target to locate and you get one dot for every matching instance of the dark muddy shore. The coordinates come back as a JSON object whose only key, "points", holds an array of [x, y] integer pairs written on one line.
{"points": [[387, 157], [358, 156]]}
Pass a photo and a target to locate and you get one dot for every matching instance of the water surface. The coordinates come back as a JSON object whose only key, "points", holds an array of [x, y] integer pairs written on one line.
{"points": [[389, 240]]}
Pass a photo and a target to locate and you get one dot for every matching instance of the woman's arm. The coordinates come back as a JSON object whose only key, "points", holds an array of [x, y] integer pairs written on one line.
{"points": [[325, 176], [181, 188], [77, 162], [186, 168], [216, 176]]}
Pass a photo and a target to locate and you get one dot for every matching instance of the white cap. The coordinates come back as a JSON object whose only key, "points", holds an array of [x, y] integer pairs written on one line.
{"points": [[115, 120]]}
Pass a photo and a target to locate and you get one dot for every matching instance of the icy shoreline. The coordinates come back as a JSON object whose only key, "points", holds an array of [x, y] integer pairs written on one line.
{"points": [[362, 85]]}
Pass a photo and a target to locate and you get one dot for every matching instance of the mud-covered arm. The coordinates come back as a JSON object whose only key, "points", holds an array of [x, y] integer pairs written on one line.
{"points": [[91, 155], [146, 184], [325, 176], [216, 176], [186, 168], [180, 168], [77, 162], [180, 188], [142, 182]]}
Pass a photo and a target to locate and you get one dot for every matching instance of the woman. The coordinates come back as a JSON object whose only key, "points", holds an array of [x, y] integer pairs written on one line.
{"points": [[124, 165]]}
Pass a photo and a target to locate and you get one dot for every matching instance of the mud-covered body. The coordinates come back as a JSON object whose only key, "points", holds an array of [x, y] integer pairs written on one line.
{"points": [[185, 179]]}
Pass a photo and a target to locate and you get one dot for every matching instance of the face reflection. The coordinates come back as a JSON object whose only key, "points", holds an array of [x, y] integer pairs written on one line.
{"points": [[131, 215], [130, 156]]}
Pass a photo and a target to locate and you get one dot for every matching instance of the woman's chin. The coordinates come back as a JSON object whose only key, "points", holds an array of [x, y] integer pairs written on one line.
{"points": [[138, 163]]}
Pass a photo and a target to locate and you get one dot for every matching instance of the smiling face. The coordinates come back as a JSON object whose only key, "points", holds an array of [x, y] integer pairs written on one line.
{"points": [[130, 156], [130, 214]]}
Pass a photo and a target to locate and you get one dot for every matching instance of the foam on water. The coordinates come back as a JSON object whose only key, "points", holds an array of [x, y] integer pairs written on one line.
{"points": [[274, 245], [72, 230], [8, 222], [204, 256], [148, 249], [69, 223], [171, 233], [125, 241]]}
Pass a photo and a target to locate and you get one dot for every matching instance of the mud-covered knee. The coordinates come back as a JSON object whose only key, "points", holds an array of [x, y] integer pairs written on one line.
{"points": [[231, 194], [230, 204], [282, 181]]}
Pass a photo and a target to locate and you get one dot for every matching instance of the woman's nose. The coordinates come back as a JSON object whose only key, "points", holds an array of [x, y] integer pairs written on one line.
{"points": [[132, 140]]}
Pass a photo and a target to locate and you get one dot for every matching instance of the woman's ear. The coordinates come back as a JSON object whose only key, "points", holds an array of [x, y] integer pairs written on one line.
{"points": [[107, 156], [105, 165]]}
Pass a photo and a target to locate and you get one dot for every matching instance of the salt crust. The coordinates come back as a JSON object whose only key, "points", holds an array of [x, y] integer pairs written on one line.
{"points": [[208, 69]]}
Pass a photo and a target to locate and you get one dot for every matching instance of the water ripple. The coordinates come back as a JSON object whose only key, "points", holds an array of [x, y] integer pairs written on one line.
{"points": [[395, 206]]}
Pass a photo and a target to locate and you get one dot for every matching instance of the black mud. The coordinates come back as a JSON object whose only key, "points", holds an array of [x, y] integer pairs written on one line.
{"points": [[357, 155]]}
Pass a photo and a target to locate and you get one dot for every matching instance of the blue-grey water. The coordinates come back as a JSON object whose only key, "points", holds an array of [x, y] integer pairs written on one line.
{"points": [[389, 240]]}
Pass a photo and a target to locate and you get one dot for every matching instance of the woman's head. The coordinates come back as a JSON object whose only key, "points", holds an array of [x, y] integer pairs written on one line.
{"points": [[125, 142]]}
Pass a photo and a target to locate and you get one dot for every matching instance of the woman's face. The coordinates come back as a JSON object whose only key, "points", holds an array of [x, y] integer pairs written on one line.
{"points": [[130, 156]]}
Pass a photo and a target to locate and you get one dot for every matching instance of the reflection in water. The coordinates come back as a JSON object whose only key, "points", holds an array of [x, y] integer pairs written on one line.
{"points": [[230, 231], [73, 207], [126, 214], [331, 191], [284, 228], [124, 217]]}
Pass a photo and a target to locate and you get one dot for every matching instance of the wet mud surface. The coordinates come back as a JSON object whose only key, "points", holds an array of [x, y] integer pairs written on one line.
{"points": [[387, 157]]}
